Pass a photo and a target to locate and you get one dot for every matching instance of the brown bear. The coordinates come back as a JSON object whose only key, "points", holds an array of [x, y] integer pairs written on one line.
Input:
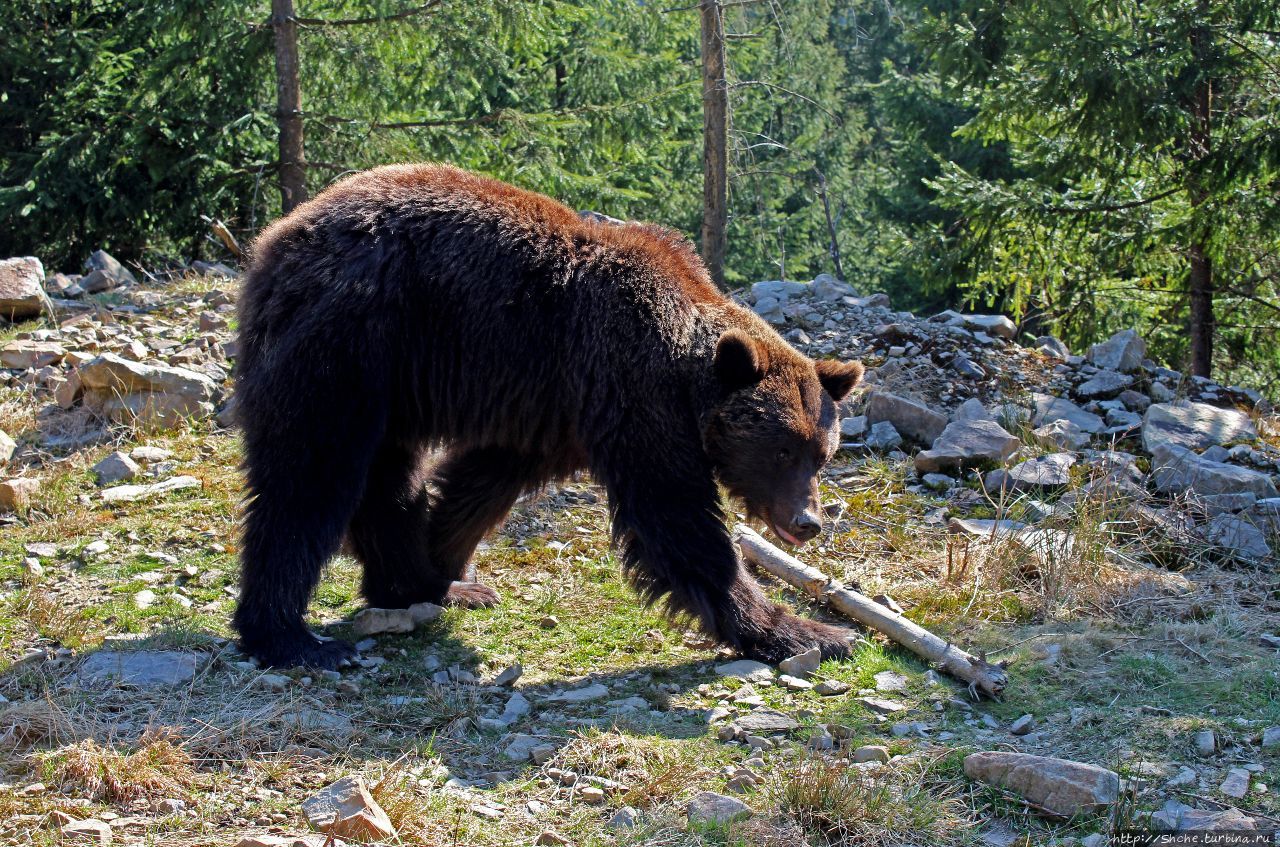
{"points": [[418, 308]]}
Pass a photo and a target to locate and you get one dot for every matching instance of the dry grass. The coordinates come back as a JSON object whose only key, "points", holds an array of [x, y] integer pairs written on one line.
{"points": [[159, 768], [899, 806]]}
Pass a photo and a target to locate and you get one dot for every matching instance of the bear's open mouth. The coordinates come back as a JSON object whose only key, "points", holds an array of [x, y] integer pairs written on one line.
{"points": [[784, 535]]}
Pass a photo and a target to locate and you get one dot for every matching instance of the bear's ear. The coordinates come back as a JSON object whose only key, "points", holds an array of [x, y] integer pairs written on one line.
{"points": [[740, 360], [838, 378]]}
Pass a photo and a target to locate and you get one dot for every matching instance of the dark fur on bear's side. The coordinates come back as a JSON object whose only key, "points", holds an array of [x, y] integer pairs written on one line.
{"points": [[411, 308]]}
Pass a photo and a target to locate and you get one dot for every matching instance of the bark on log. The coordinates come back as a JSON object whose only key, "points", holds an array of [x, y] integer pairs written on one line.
{"points": [[981, 676]]}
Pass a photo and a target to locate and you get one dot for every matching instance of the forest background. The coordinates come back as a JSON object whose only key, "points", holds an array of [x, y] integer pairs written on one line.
{"points": [[1081, 165]]}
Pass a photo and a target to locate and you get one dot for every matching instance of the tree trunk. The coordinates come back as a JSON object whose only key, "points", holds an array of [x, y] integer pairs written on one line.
{"points": [[834, 246], [293, 164], [1200, 282], [1200, 297], [715, 134]]}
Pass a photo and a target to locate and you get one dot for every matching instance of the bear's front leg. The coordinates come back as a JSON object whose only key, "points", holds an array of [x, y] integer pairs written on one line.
{"points": [[677, 549]]}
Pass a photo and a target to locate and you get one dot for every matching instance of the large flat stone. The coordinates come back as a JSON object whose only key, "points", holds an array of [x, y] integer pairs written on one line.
{"points": [[1059, 786], [1123, 351], [911, 419], [347, 810], [22, 289], [1194, 425], [1050, 409], [140, 668], [1051, 471], [1177, 470], [155, 396], [1104, 383], [719, 809], [964, 443]]}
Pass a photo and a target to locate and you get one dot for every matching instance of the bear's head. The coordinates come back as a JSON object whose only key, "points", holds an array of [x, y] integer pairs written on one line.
{"points": [[775, 427]]}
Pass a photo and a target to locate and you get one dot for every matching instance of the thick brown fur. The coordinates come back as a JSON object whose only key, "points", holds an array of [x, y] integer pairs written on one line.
{"points": [[418, 307]]}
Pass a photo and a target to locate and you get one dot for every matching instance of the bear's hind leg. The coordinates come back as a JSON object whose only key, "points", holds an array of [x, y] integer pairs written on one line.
{"points": [[476, 487], [294, 518], [390, 534]]}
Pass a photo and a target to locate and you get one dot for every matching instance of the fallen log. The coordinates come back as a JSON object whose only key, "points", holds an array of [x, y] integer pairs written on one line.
{"points": [[981, 676]]}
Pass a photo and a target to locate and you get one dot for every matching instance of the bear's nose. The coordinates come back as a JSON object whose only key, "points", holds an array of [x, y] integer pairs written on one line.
{"points": [[806, 525]]}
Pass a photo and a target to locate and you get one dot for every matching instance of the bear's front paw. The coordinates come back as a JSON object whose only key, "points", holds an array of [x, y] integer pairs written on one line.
{"points": [[792, 635]]}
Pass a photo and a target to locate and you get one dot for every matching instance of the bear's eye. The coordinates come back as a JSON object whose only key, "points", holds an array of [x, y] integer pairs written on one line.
{"points": [[784, 455]]}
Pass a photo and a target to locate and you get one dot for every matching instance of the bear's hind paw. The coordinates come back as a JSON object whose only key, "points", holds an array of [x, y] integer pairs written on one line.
{"points": [[471, 595], [308, 651]]}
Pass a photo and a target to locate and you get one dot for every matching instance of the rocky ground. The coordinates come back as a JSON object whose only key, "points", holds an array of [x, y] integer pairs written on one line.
{"points": [[1103, 524]]}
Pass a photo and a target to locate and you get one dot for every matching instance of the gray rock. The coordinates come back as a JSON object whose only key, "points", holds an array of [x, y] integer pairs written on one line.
{"points": [[155, 396], [139, 669], [937, 481], [973, 410], [377, 621], [1206, 742], [870, 753], [1271, 737], [517, 707], [831, 687], [1135, 401], [1051, 471], [103, 262], [1123, 351], [883, 437], [1050, 409], [116, 467], [1220, 504], [586, 694], [891, 682], [882, 706], [770, 308], [347, 810], [624, 818], [781, 290], [711, 808], [1022, 725], [964, 366], [134, 493], [747, 669], [1050, 346], [1238, 536], [1194, 425], [520, 747], [22, 293], [1236, 783], [508, 676], [828, 288], [802, 664], [1063, 434], [997, 325], [911, 419], [853, 427], [1177, 470], [1104, 384], [1177, 817], [764, 722], [1123, 419], [965, 443], [1061, 786]]}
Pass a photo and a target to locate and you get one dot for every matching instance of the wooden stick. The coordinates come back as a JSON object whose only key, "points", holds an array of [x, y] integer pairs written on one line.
{"points": [[981, 676]]}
